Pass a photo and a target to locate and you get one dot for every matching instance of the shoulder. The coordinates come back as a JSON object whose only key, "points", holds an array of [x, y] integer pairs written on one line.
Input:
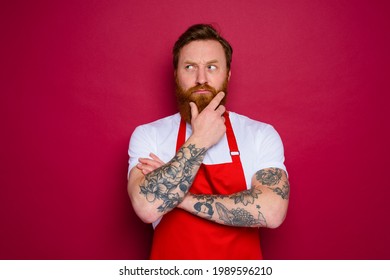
{"points": [[259, 143], [246, 124], [255, 133], [160, 125], [163, 122]]}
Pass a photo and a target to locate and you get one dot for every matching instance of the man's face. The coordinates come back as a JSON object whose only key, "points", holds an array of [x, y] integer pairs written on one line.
{"points": [[201, 73]]}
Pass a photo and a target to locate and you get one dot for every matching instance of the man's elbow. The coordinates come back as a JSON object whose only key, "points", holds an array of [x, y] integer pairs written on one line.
{"points": [[145, 213], [142, 208], [277, 217], [148, 218], [276, 222]]}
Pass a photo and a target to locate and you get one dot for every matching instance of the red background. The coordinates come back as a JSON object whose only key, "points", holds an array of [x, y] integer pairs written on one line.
{"points": [[78, 76]]}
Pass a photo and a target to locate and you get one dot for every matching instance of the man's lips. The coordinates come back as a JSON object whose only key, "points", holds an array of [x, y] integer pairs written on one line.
{"points": [[201, 91]]}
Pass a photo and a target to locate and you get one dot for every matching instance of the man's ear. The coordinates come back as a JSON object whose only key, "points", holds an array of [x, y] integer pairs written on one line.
{"points": [[229, 74]]}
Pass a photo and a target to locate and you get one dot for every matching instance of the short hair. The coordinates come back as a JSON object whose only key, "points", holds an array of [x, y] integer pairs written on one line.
{"points": [[200, 32]]}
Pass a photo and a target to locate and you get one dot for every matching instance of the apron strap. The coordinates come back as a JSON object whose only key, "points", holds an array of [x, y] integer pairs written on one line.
{"points": [[181, 136], [234, 152]]}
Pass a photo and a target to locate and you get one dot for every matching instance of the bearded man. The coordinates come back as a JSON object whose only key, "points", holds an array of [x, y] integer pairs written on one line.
{"points": [[205, 157]]}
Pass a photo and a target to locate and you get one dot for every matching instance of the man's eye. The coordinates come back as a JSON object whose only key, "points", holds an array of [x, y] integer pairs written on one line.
{"points": [[212, 67], [189, 67]]}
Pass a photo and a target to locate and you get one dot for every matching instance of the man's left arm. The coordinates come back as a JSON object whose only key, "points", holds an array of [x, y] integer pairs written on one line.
{"points": [[263, 205]]}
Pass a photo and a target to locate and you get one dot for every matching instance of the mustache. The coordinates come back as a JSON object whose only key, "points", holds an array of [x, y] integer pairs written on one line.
{"points": [[202, 87], [184, 96]]}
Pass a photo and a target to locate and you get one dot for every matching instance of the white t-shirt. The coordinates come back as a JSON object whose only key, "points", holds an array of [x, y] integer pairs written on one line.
{"points": [[259, 144]]}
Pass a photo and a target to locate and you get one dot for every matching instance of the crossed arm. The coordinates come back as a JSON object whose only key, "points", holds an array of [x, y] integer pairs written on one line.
{"points": [[155, 187], [263, 205]]}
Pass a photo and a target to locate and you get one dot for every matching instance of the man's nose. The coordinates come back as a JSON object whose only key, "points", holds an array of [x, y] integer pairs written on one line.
{"points": [[201, 77]]}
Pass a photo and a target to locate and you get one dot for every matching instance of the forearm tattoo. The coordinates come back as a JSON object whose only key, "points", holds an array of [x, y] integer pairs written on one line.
{"points": [[246, 197], [246, 215], [240, 217], [233, 217], [272, 177], [170, 182]]}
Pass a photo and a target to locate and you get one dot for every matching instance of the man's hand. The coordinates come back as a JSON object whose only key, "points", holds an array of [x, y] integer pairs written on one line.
{"points": [[147, 165], [156, 188], [208, 127], [208, 124]]}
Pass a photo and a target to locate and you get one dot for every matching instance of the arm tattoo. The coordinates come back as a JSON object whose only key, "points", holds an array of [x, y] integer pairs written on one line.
{"points": [[269, 177], [239, 217], [284, 192], [165, 183], [246, 197], [272, 177], [206, 206]]}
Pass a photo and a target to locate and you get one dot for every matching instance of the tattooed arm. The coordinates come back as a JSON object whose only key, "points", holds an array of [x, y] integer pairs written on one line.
{"points": [[264, 205], [160, 189]]}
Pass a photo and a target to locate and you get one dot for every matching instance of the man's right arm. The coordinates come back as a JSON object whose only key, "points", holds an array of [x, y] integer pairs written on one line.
{"points": [[161, 190], [158, 192]]}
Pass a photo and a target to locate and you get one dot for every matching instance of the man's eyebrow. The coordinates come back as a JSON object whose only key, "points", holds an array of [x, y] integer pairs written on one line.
{"points": [[208, 62], [212, 61], [189, 62]]}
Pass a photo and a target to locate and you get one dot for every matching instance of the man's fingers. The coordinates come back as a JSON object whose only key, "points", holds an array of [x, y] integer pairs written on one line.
{"points": [[147, 165], [156, 158], [216, 100], [221, 109], [194, 110], [145, 169], [150, 162]]}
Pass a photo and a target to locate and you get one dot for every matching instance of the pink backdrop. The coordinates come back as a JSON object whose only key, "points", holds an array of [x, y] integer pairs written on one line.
{"points": [[78, 76]]}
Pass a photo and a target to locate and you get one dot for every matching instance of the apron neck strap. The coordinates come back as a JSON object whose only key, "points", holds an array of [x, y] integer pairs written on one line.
{"points": [[233, 147], [181, 137]]}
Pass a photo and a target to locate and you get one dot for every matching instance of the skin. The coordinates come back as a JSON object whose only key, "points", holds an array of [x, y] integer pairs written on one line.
{"points": [[202, 62], [157, 192], [156, 188]]}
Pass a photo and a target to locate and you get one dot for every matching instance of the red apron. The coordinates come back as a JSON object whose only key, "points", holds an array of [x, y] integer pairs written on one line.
{"points": [[183, 236]]}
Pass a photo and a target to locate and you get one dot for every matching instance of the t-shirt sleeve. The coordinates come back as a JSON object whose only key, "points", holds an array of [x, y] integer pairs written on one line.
{"points": [[140, 146], [271, 150]]}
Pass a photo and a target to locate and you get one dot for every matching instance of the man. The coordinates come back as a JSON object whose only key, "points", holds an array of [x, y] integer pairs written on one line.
{"points": [[206, 178]]}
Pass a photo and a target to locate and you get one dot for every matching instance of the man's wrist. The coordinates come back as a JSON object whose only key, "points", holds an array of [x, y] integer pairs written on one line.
{"points": [[199, 142]]}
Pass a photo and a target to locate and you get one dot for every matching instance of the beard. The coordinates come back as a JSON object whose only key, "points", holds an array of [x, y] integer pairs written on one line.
{"points": [[184, 97]]}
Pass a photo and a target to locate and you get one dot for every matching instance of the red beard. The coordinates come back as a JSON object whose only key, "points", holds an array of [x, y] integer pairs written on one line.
{"points": [[184, 97]]}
